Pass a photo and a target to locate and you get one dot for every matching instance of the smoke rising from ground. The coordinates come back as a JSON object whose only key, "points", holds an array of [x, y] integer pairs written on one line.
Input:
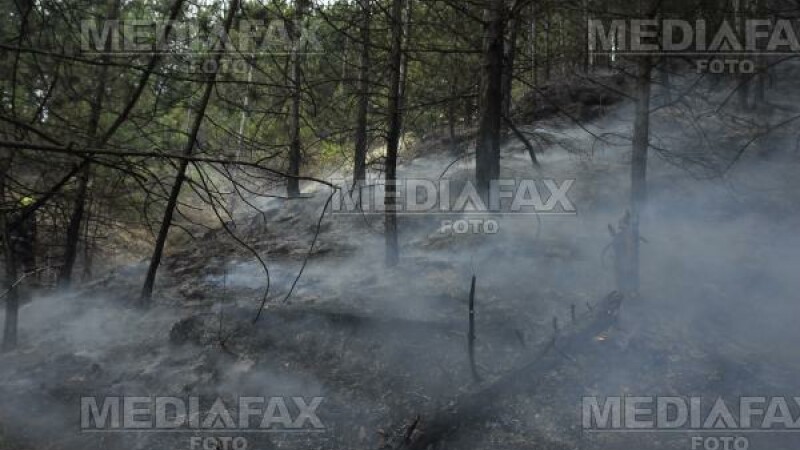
{"points": [[718, 270]]}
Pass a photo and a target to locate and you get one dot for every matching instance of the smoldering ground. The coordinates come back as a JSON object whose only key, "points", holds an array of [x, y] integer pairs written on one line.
{"points": [[384, 346]]}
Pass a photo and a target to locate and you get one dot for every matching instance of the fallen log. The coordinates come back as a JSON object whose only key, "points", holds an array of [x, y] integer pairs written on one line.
{"points": [[478, 405], [495, 331], [356, 320]]}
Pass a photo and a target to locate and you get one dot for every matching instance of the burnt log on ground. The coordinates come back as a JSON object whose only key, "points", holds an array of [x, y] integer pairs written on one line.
{"points": [[192, 328], [494, 331], [477, 405]]}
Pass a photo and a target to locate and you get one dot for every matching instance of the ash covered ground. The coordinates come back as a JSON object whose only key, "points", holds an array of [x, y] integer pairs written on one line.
{"points": [[387, 348]]}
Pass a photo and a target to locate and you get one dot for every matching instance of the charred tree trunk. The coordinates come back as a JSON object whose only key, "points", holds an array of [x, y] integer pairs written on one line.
{"points": [[406, 20], [471, 333], [761, 81], [740, 10], [587, 58], [12, 297], [510, 52], [451, 113], [395, 127], [641, 143], [240, 144], [469, 103], [23, 31], [666, 81], [362, 138], [548, 44], [295, 147], [487, 151], [89, 238], [761, 65], [74, 226], [180, 176], [532, 44]]}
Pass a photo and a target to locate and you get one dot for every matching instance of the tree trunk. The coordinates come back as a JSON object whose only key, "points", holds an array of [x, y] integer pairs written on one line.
{"points": [[451, 112], [12, 298], [510, 52], [362, 138], [761, 81], [240, 144], [469, 102], [532, 43], [295, 147], [761, 65], [548, 45], [740, 8], [666, 81], [74, 226], [641, 143], [587, 59], [406, 34], [79, 208], [487, 152], [395, 127], [89, 238], [180, 177]]}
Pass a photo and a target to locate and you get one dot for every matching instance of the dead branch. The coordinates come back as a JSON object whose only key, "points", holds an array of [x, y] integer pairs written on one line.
{"points": [[521, 136], [474, 406]]}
